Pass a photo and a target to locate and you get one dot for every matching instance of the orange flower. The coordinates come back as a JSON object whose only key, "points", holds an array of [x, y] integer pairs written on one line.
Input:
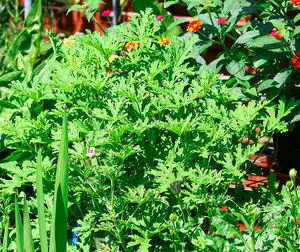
{"points": [[296, 60], [296, 2], [195, 25], [276, 33], [110, 71], [164, 41], [131, 45]]}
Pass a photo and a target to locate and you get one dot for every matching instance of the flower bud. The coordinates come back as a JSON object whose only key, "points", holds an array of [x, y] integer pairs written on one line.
{"points": [[293, 173], [175, 187], [173, 217], [289, 184], [213, 181]]}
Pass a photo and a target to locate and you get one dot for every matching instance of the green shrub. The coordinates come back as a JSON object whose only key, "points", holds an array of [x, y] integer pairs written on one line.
{"points": [[148, 137]]}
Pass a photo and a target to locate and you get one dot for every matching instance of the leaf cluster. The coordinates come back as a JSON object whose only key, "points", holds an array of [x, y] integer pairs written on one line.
{"points": [[254, 55], [154, 120]]}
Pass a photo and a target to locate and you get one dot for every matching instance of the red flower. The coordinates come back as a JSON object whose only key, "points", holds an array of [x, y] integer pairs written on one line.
{"points": [[110, 71], [106, 13], [160, 17], [296, 2], [131, 45], [164, 41], [222, 20], [276, 33], [296, 60], [194, 25]]}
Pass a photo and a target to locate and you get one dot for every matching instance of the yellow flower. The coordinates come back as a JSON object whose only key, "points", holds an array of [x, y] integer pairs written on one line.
{"points": [[164, 41], [194, 25]]}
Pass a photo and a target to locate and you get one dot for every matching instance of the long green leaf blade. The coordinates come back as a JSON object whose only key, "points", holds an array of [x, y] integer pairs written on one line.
{"points": [[28, 42], [5, 238], [58, 237], [19, 227], [28, 240], [40, 204]]}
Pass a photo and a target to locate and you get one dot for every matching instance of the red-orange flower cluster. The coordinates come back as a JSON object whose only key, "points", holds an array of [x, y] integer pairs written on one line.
{"points": [[110, 71], [131, 45], [296, 60], [194, 25], [164, 41], [276, 33], [296, 2]]}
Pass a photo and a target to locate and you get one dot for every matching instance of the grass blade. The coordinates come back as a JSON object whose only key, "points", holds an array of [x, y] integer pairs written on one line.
{"points": [[28, 240], [5, 238], [19, 227], [58, 237], [40, 204]]}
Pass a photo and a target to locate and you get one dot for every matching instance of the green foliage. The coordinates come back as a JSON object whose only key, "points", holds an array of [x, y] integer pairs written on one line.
{"points": [[149, 135], [19, 50], [40, 204], [25, 47], [10, 20], [58, 236], [255, 55], [158, 9], [89, 8]]}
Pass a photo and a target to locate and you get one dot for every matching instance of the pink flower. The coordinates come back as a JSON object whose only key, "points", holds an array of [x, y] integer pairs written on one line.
{"points": [[222, 20], [106, 13], [275, 33], [160, 17], [91, 153]]}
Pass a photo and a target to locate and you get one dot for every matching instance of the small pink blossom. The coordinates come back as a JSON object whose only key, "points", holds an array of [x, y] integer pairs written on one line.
{"points": [[275, 33], [106, 13], [222, 20], [160, 17], [91, 153]]}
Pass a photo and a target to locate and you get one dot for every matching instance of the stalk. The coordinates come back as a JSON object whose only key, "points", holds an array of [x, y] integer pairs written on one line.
{"points": [[252, 242], [220, 39], [112, 193], [285, 15], [266, 144], [109, 21], [98, 25], [183, 214], [293, 206], [175, 234]]}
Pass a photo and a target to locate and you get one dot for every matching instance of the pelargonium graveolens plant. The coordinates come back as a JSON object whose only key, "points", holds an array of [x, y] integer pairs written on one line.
{"points": [[154, 145]]}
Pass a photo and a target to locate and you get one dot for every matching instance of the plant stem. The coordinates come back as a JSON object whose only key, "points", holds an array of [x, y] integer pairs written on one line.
{"points": [[99, 25], [181, 209], [219, 37], [228, 185], [252, 241], [285, 15], [293, 206], [133, 214], [112, 192], [176, 234], [231, 37], [109, 21], [266, 144], [295, 186]]}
